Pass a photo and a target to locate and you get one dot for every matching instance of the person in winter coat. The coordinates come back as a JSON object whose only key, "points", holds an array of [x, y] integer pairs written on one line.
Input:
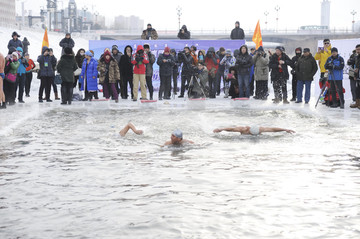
{"points": [[220, 71], [2, 77], [166, 63], [21, 75], [66, 42], [51, 53], [109, 74], [356, 78], [335, 65], [201, 56], [306, 68], [227, 62], [252, 77], [322, 55], [139, 60], [126, 72], [237, 33], [183, 33], [200, 83], [149, 33], [278, 64], [88, 76], [261, 73], [115, 53], [175, 73], [15, 41], [193, 50], [243, 63], [351, 64], [47, 65], [26, 45], [186, 72], [79, 58], [149, 70], [212, 64], [66, 67], [11, 67], [294, 60], [28, 74], [234, 83]]}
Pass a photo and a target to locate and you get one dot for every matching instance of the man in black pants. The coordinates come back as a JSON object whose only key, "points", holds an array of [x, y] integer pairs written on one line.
{"points": [[295, 59], [175, 73], [149, 70], [47, 64], [186, 59]]}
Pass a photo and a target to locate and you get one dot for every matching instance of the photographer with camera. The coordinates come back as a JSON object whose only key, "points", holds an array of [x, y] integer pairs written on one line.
{"points": [[356, 77], [166, 62], [149, 70], [335, 65], [175, 72], [322, 55], [183, 33], [228, 61], [21, 75], [186, 59], [212, 64], [243, 64], [295, 59], [261, 73], [200, 82], [139, 60]]}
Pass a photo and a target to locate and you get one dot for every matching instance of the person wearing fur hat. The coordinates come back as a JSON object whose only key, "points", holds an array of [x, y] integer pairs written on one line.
{"points": [[237, 33], [166, 62], [126, 72], [21, 75], [67, 41], [109, 74], [212, 64], [11, 66], [335, 65], [298, 52], [261, 73], [15, 41], [66, 67], [243, 63], [278, 64], [88, 76], [149, 69], [306, 68], [47, 63], [228, 61], [149, 33]]}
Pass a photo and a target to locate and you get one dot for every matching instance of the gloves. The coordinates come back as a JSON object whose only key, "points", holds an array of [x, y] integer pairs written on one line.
{"points": [[138, 58]]}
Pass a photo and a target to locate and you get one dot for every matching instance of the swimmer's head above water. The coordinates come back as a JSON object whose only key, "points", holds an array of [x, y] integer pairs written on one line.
{"points": [[176, 136]]}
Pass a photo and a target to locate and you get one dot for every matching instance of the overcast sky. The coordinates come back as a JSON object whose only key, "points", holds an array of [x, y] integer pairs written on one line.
{"points": [[199, 15]]}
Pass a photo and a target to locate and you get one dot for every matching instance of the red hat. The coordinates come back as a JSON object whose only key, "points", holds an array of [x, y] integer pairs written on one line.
{"points": [[167, 49]]}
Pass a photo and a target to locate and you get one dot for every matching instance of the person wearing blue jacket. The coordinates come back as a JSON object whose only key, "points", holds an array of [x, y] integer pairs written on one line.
{"points": [[21, 75], [88, 76], [335, 65], [47, 63]]}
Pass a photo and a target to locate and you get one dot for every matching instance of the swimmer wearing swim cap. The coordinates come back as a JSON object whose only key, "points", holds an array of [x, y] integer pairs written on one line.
{"points": [[253, 130], [177, 139]]}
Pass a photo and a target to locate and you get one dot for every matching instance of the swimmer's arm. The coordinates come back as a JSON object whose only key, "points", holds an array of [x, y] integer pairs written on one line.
{"points": [[187, 141], [167, 143], [231, 129], [126, 129], [274, 129]]}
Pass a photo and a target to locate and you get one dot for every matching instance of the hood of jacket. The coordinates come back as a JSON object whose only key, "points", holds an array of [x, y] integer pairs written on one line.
{"points": [[184, 27], [139, 47], [45, 48], [247, 50], [173, 51]]}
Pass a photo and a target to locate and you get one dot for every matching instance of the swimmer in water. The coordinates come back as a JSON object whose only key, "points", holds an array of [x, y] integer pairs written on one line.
{"points": [[253, 130], [177, 139], [132, 127]]}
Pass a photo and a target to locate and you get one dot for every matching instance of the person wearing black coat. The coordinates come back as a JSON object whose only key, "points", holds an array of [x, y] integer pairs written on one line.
{"points": [[278, 64], [166, 63], [47, 63], [15, 41], [175, 73], [243, 64], [237, 33], [187, 60], [183, 33], [26, 45], [67, 42], [294, 60], [126, 72], [79, 58]]}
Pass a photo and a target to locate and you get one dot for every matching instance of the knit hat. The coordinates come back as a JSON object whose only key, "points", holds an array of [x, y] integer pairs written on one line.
{"points": [[114, 47], [107, 49], [106, 53], [178, 134], [19, 49], [298, 49], [15, 54], [88, 53], [281, 48], [167, 50], [306, 50], [228, 52], [68, 51], [334, 49], [260, 48]]}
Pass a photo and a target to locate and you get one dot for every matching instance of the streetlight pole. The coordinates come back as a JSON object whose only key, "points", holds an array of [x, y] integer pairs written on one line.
{"points": [[353, 21], [277, 8], [266, 13], [84, 17], [179, 13]]}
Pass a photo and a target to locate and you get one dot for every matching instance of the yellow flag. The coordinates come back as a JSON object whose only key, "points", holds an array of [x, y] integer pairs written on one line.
{"points": [[257, 38], [45, 40]]}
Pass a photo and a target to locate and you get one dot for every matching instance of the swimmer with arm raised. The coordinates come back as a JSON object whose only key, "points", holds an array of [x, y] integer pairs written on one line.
{"points": [[129, 126], [253, 130]]}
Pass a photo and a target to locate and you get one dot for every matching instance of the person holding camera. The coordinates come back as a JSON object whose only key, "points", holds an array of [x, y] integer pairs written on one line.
{"points": [[200, 82], [21, 75], [47, 63], [305, 68], [183, 33], [186, 59], [227, 62], [278, 64], [175, 72], [322, 55], [357, 78], [335, 65], [295, 59], [352, 78], [166, 62], [139, 60], [212, 64], [261, 73], [243, 63], [221, 70], [149, 69]]}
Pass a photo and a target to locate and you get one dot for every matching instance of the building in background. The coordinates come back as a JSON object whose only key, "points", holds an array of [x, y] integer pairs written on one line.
{"points": [[132, 23], [325, 13], [7, 13]]}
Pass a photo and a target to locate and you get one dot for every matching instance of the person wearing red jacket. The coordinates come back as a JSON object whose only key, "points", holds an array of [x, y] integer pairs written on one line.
{"points": [[139, 60], [28, 74], [212, 64]]}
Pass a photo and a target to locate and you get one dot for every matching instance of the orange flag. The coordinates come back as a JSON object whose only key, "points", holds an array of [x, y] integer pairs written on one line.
{"points": [[257, 38], [45, 40]]}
